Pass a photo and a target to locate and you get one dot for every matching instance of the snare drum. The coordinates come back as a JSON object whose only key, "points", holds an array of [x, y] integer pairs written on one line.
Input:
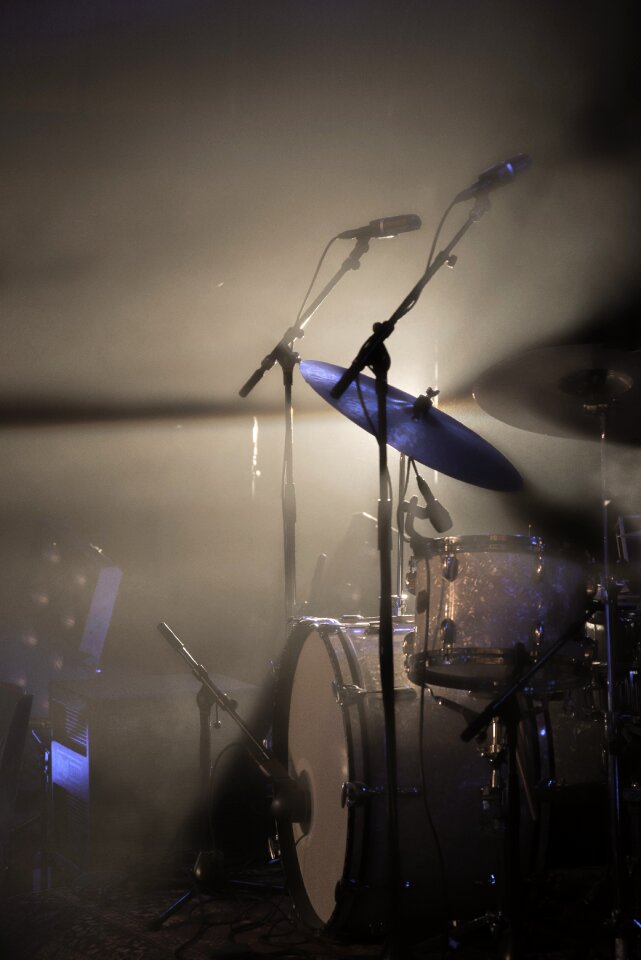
{"points": [[479, 599]]}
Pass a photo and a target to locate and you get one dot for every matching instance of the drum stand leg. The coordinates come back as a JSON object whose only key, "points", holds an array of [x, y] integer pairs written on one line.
{"points": [[501, 805]]}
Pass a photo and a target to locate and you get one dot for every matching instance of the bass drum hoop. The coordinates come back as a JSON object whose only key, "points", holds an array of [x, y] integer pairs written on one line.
{"points": [[346, 670]]}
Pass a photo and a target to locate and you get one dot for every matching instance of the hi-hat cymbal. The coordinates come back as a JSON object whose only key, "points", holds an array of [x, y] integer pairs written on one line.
{"points": [[434, 438], [560, 391]]}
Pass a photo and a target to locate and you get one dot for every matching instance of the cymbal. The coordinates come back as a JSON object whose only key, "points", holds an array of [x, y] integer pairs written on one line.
{"points": [[558, 391], [434, 438]]}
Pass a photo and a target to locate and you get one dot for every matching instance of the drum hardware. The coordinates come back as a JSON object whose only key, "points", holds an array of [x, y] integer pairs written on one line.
{"points": [[536, 636], [355, 793], [593, 392], [467, 714], [540, 568], [519, 683], [492, 799], [349, 694], [433, 511], [449, 567], [447, 632]]}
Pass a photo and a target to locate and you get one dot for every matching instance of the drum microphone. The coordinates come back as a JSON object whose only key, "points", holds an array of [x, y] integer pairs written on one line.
{"points": [[434, 511], [383, 229], [497, 176]]}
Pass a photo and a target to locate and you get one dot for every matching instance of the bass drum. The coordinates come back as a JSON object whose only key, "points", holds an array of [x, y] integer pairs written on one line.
{"points": [[329, 731]]}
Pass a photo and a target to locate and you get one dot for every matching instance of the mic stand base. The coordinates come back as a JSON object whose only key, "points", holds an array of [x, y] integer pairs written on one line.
{"points": [[208, 863]]}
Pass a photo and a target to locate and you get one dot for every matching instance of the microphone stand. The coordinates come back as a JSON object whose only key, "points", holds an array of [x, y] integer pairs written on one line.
{"points": [[289, 797], [374, 354], [284, 354]]}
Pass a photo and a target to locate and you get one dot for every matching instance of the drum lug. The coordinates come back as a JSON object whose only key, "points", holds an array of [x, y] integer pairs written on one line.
{"points": [[449, 567], [347, 693], [539, 569], [448, 634], [536, 637], [354, 793]]}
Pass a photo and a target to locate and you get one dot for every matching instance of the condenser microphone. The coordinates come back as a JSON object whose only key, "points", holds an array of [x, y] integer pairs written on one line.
{"points": [[497, 176], [384, 228]]}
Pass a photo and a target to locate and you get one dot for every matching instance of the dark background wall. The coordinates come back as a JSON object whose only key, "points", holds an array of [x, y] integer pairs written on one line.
{"points": [[170, 174]]}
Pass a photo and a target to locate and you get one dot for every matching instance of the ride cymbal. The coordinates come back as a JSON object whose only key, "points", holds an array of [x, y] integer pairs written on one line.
{"points": [[560, 391]]}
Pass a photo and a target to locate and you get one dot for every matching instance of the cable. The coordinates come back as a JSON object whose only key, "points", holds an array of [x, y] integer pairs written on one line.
{"points": [[313, 280], [437, 234], [373, 429]]}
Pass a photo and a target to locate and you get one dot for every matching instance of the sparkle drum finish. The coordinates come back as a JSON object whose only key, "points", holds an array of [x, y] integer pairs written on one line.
{"points": [[329, 730], [482, 600]]}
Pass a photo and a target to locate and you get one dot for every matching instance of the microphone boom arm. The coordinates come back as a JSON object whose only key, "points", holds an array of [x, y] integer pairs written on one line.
{"points": [[382, 331], [297, 332]]}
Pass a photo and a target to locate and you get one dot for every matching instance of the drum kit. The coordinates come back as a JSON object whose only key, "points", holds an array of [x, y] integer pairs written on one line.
{"points": [[423, 761], [505, 629]]}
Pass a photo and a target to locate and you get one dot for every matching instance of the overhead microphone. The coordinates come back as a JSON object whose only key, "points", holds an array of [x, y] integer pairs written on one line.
{"points": [[496, 176], [384, 228]]}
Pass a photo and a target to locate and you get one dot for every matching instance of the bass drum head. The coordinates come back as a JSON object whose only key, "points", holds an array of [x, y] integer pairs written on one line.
{"points": [[329, 730], [317, 758]]}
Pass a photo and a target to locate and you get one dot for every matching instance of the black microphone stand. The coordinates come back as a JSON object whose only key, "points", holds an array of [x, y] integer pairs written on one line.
{"points": [[284, 354], [374, 354], [289, 796]]}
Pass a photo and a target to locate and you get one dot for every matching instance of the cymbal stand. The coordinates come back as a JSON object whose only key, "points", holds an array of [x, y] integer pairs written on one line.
{"points": [[283, 354], [374, 354], [619, 910], [503, 712]]}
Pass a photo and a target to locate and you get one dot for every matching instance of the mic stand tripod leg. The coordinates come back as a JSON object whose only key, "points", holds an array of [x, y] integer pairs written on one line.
{"points": [[206, 861]]}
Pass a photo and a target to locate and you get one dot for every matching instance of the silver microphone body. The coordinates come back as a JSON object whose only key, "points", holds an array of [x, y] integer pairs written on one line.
{"points": [[499, 175], [386, 227]]}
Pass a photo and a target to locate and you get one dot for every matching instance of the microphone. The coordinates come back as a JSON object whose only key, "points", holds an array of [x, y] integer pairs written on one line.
{"points": [[497, 176], [435, 512], [384, 228]]}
